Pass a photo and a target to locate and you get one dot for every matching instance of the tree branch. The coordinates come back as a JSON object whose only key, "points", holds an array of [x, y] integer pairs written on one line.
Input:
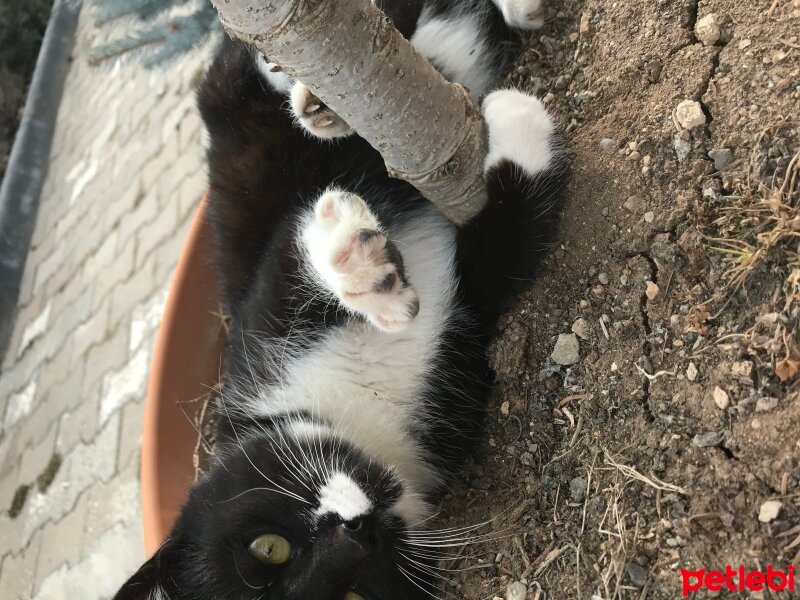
{"points": [[349, 54]]}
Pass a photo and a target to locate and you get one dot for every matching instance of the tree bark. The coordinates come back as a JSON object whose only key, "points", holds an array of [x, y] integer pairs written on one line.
{"points": [[428, 131]]}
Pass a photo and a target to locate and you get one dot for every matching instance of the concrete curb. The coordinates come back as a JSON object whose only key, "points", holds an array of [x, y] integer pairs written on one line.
{"points": [[28, 163]]}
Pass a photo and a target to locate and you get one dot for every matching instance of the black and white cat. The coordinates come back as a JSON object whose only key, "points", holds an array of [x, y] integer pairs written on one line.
{"points": [[356, 371]]}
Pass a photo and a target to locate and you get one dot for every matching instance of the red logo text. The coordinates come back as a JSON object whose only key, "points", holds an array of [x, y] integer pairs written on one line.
{"points": [[737, 579]]}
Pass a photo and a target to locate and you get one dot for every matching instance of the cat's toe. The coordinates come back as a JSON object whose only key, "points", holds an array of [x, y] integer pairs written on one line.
{"points": [[314, 116], [522, 14]]}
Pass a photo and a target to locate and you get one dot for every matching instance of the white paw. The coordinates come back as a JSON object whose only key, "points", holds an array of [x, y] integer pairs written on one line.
{"points": [[520, 130], [356, 261], [313, 116], [522, 14]]}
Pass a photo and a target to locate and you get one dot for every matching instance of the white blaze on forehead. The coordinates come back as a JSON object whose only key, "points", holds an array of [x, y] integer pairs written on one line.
{"points": [[342, 496]]}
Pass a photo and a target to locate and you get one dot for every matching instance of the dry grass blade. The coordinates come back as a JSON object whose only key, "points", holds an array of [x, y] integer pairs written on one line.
{"points": [[652, 481]]}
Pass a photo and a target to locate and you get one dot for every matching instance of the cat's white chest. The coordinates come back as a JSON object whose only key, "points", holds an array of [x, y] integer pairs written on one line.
{"points": [[369, 384]]}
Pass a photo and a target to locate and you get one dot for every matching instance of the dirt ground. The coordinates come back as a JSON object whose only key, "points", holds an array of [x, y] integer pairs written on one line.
{"points": [[22, 26], [659, 447]]}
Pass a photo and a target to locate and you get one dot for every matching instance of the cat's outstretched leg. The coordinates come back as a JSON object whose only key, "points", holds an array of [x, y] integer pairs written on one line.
{"points": [[353, 258], [314, 116]]}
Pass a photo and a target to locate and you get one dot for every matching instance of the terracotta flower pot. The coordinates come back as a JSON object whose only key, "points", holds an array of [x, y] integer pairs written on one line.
{"points": [[184, 368]]}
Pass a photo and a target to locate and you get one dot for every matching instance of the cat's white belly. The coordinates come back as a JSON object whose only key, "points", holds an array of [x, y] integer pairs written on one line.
{"points": [[368, 383]]}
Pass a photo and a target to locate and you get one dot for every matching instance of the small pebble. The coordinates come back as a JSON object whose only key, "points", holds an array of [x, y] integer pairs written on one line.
{"points": [[634, 203], [577, 489], [690, 114], [561, 83], [682, 147], [647, 160], [769, 510], [691, 372], [603, 278], [634, 156], [649, 216], [708, 29], [609, 144], [708, 439], [567, 349], [721, 398], [581, 328], [651, 290], [637, 574], [505, 408], [584, 303], [766, 403], [722, 157], [516, 591]]}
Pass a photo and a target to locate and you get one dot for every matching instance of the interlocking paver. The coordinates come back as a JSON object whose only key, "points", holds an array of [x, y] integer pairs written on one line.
{"points": [[126, 171]]}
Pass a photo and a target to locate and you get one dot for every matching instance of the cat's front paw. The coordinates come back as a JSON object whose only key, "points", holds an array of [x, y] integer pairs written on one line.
{"points": [[520, 131], [522, 14], [357, 261], [314, 116]]}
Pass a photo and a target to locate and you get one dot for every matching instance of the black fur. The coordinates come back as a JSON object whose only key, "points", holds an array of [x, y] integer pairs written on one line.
{"points": [[264, 173]]}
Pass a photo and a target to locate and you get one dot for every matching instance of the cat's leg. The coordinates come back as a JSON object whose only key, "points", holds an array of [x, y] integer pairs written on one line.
{"points": [[500, 249], [313, 115], [351, 256], [521, 14]]}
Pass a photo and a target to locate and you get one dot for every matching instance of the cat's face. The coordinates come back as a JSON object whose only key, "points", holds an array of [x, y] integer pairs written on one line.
{"points": [[290, 517]]}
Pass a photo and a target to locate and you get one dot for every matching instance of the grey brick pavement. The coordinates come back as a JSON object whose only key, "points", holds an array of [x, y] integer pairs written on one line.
{"points": [[126, 171]]}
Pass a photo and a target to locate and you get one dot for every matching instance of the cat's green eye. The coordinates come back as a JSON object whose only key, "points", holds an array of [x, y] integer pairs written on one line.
{"points": [[271, 549], [353, 596]]}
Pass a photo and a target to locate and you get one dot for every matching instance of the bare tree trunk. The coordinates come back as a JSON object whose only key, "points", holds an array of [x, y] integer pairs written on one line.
{"points": [[428, 130]]}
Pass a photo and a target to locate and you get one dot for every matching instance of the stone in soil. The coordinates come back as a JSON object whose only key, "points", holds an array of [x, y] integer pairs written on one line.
{"points": [[722, 157], [637, 574], [567, 349], [577, 489], [721, 398], [690, 114], [708, 29], [769, 510], [581, 328], [516, 591]]}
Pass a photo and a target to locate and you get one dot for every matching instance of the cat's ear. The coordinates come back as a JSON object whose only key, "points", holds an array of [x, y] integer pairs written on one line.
{"points": [[149, 582]]}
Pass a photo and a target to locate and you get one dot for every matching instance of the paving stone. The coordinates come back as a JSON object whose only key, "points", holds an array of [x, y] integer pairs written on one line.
{"points": [[151, 235], [138, 288], [78, 425], [105, 357], [118, 271], [92, 331], [106, 566], [8, 487], [19, 405], [17, 572], [130, 438], [128, 383], [61, 540], [33, 329], [85, 465], [36, 457], [112, 502]]}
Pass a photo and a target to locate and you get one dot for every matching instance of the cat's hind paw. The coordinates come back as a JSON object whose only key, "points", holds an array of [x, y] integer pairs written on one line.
{"points": [[357, 261], [314, 116]]}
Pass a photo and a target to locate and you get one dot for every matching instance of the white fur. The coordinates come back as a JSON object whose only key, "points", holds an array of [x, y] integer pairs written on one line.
{"points": [[343, 497], [458, 47], [351, 267], [280, 81], [520, 130], [522, 14], [366, 383]]}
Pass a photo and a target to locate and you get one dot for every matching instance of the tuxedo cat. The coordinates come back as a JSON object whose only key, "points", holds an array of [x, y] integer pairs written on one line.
{"points": [[355, 369]]}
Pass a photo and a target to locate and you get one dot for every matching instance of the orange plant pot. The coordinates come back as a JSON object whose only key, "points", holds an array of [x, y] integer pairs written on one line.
{"points": [[185, 366]]}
